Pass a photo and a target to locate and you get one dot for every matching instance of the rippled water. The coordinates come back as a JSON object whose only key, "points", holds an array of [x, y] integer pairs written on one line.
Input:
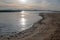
{"points": [[17, 21]]}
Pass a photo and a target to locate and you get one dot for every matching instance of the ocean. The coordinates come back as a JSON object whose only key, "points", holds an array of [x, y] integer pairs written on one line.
{"points": [[15, 22]]}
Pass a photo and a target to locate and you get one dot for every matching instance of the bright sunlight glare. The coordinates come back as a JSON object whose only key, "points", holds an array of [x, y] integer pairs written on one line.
{"points": [[23, 1]]}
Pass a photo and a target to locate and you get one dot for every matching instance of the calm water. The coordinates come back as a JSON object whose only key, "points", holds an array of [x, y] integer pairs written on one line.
{"points": [[17, 22]]}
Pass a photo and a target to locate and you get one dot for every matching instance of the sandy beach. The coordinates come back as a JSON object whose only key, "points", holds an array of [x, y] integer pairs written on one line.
{"points": [[46, 29]]}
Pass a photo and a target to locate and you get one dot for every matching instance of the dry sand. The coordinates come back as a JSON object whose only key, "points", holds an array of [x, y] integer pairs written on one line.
{"points": [[46, 29]]}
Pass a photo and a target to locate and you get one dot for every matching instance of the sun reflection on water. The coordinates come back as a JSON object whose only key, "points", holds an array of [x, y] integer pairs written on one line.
{"points": [[23, 20], [22, 12]]}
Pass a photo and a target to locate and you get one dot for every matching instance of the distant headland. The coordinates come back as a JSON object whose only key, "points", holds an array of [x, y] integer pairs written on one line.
{"points": [[26, 10]]}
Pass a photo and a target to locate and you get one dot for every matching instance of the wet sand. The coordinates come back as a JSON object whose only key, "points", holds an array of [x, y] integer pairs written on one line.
{"points": [[45, 29]]}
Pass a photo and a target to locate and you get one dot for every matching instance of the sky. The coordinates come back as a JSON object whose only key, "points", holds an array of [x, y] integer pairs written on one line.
{"points": [[30, 4]]}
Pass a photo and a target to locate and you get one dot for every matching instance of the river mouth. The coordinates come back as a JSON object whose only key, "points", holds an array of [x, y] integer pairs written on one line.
{"points": [[12, 23]]}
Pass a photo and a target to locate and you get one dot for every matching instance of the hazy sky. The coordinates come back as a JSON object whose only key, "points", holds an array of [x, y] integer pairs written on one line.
{"points": [[30, 4]]}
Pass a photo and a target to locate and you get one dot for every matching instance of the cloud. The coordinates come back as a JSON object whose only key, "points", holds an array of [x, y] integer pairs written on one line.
{"points": [[30, 4]]}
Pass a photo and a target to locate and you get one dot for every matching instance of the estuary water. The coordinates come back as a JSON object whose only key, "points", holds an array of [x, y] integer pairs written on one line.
{"points": [[15, 22]]}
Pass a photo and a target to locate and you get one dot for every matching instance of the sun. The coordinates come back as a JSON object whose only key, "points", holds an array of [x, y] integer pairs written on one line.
{"points": [[23, 1]]}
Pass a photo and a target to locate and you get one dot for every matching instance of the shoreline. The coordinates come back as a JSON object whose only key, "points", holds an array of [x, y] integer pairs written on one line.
{"points": [[40, 30]]}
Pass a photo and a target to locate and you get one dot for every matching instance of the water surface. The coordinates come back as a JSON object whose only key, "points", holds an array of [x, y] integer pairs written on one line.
{"points": [[17, 21]]}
